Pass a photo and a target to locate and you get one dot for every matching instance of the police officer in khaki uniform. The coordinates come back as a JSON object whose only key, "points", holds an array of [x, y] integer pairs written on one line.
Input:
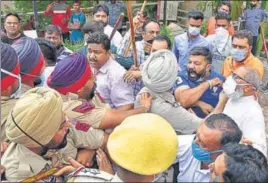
{"points": [[33, 128], [72, 77], [135, 161], [10, 83], [31, 61], [159, 74]]}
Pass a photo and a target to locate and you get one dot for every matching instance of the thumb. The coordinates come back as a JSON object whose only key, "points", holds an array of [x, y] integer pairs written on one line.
{"points": [[74, 163], [64, 170]]}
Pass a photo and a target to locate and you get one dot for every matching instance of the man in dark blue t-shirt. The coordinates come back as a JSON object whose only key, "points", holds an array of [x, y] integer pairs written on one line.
{"points": [[199, 86]]}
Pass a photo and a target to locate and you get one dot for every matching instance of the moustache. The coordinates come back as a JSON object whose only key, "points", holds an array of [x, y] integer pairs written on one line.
{"points": [[192, 71]]}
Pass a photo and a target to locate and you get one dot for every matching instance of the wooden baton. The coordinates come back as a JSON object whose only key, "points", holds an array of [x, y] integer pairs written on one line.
{"points": [[135, 28], [118, 21], [40, 176], [132, 33]]}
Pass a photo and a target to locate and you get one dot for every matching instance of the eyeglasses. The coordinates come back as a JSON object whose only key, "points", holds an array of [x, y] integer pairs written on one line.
{"points": [[235, 76]]}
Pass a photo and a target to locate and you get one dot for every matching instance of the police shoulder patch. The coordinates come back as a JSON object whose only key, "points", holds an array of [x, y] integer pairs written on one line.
{"points": [[84, 107], [82, 126], [79, 125]]}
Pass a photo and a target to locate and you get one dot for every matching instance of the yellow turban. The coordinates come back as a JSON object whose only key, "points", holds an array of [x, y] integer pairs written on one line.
{"points": [[144, 144], [39, 114]]}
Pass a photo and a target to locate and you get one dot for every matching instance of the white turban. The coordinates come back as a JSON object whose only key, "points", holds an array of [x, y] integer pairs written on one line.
{"points": [[160, 70], [38, 113]]}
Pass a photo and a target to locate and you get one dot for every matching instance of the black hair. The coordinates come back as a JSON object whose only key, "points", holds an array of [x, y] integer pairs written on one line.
{"points": [[13, 14], [163, 38], [77, 2], [222, 16], [195, 14], [202, 51], [244, 34], [101, 7], [225, 124], [244, 164], [92, 26], [48, 49], [50, 29], [147, 22], [225, 3], [99, 38]]}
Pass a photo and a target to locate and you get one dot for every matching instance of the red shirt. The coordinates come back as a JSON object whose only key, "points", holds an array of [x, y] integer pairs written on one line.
{"points": [[59, 12]]}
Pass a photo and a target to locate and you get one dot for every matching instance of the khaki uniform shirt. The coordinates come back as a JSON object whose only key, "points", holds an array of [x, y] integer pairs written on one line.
{"points": [[7, 105], [21, 163], [166, 106], [80, 136], [24, 88], [90, 111]]}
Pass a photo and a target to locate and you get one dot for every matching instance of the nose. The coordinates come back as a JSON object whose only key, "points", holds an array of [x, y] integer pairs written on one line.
{"points": [[190, 65], [91, 55]]}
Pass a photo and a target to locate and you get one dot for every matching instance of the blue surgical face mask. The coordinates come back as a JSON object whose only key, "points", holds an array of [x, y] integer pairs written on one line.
{"points": [[17, 92], [201, 154], [238, 54]]}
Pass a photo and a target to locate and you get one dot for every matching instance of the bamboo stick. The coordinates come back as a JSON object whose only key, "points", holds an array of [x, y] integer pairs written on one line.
{"points": [[132, 33], [135, 28]]}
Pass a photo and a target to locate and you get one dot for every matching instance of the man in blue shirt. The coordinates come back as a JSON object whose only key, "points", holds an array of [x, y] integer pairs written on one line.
{"points": [[183, 43], [77, 21], [253, 17], [199, 86], [115, 9]]}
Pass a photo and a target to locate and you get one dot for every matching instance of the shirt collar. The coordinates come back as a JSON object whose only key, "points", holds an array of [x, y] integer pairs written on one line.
{"points": [[36, 162], [105, 67]]}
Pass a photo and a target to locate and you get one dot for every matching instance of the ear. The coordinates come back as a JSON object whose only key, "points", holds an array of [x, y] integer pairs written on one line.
{"points": [[248, 88], [80, 91], [208, 67], [250, 48]]}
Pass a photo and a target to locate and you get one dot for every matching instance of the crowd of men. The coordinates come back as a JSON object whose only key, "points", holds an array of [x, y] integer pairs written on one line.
{"points": [[188, 112]]}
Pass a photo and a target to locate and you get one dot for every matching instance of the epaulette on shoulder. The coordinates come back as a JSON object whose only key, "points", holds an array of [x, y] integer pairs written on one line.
{"points": [[90, 175]]}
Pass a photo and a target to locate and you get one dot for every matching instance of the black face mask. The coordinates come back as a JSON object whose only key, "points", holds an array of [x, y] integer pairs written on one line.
{"points": [[92, 93], [198, 75]]}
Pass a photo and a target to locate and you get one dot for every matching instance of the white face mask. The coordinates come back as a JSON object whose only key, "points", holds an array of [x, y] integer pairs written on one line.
{"points": [[229, 88], [17, 92], [194, 31], [221, 33]]}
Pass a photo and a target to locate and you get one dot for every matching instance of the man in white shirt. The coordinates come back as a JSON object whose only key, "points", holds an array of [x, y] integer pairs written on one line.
{"points": [[221, 41], [196, 152], [241, 88], [101, 14], [109, 73]]}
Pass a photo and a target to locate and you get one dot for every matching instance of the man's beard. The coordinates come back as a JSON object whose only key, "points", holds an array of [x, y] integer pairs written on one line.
{"points": [[92, 93], [104, 23], [197, 76], [63, 143]]}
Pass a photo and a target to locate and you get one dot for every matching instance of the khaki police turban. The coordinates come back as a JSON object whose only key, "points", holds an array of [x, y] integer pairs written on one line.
{"points": [[160, 71], [144, 144], [39, 114]]}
